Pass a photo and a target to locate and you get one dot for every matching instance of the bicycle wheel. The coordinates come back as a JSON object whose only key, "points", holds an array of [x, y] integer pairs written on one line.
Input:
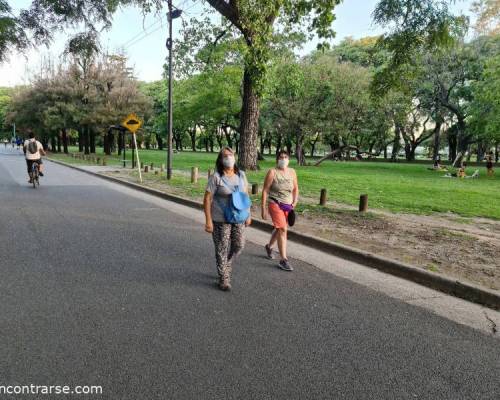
{"points": [[34, 174]]}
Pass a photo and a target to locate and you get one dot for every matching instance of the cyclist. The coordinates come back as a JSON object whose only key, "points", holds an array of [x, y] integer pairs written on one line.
{"points": [[33, 151]]}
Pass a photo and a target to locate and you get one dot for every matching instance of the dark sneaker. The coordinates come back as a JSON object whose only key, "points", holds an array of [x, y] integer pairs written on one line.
{"points": [[40, 173], [269, 252], [285, 265]]}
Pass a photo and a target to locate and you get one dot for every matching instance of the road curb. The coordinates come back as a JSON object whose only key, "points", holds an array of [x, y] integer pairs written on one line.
{"points": [[429, 279]]}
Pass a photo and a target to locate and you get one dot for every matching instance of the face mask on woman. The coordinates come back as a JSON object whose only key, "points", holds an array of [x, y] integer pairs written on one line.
{"points": [[228, 162], [283, 163]]}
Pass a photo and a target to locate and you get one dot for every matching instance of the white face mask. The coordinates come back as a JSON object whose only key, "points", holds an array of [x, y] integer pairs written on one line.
{"points": [[283, 163], [228, 162]]}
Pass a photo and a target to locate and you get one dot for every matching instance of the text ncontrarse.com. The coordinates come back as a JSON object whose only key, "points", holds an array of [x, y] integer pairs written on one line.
{"points": [[49, 389]]}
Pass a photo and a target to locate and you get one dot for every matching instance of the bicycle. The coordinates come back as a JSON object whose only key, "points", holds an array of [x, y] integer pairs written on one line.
{"points": [[34, 174]]}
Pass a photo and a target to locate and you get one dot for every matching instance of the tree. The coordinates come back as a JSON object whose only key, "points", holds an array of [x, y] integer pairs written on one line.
{"points": [[485, 109], [5, 99], [414, 22], [488, 16]]}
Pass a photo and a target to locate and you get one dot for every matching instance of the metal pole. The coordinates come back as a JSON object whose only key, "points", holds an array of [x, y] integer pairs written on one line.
{"points": [[170, 119], [123, 141]]}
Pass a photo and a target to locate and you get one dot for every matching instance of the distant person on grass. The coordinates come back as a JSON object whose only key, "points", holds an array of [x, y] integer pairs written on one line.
{"points": [[33, 151], [281, 192], [221, 220], [489, 164]]}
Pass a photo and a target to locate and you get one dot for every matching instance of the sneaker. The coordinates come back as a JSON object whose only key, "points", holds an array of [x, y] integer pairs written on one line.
{"points": [[40, 173], [269, 252], [285, 265]]}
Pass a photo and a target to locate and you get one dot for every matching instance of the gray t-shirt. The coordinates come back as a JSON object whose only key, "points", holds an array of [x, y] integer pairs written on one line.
{"points": [[222, 190]]}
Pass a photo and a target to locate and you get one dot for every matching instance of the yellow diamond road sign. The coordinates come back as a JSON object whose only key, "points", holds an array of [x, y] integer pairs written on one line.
{"points": [[132, 123]]}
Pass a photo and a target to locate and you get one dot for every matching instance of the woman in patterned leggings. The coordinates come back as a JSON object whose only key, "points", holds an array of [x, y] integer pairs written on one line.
{"points": [[228, 238]]}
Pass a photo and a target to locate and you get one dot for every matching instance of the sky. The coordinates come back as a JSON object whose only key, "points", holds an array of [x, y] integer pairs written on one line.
{"points": [[143, 38]]}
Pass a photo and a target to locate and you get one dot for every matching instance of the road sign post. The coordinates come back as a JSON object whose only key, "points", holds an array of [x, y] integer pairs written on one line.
{"points": [[133, 123]]}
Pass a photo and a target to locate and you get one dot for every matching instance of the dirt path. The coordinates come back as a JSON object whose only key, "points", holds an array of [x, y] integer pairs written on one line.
{"points": [[463, 248]]}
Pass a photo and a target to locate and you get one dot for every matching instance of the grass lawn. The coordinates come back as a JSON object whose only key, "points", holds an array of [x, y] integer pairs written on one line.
{"points": [[396, 187]]}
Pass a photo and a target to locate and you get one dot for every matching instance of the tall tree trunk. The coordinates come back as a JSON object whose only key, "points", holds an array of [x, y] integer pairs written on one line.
{"points": [[396, 145], [299, 154], [437, 140], [86, 139], [105, 143], [463, 139], [53, 145], [80, 140], [65, 140], [59, 142], [408, 151], [481, 150], [247, 159], [385, 152], [120, 143], [279, 143], [497, 151], [160, 141], [413, 148], [92, 140], [452, 146], [192, 134]]}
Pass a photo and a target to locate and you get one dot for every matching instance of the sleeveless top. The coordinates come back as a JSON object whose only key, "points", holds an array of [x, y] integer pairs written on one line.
{"points": [[281, 188]]}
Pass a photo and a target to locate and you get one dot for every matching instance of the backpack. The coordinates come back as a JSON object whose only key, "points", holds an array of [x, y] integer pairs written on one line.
{"points": [[33, 147], [237, 210]]}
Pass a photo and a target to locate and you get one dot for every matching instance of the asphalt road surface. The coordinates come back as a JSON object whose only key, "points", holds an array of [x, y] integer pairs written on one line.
{"points": [[102, 288]]}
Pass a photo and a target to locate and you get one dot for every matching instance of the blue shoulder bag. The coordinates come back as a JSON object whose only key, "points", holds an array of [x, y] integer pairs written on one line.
{"points": [[237, 210]]}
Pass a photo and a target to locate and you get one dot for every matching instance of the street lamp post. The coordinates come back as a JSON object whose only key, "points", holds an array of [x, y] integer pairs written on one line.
{"points": [[172, 14]]}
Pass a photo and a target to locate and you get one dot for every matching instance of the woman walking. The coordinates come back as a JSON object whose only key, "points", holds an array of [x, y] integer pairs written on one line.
{"points": [[227, 235], [280, 195]]}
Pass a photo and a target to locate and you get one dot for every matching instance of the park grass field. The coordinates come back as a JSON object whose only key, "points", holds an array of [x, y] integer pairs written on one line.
{"points": [[400, 187]]}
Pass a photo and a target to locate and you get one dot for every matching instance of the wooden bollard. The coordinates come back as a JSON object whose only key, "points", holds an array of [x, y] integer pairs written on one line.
{"points": [[255, 188], [146, 168], [322, 197], [194, 174], [363, 203]]}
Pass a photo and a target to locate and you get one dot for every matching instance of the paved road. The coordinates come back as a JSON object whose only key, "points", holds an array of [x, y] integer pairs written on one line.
{"points": [[101, 288]]}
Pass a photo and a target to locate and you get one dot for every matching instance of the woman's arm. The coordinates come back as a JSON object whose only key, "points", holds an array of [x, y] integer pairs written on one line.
{"points": [[265, 191], [295, 191], [207, 207]]}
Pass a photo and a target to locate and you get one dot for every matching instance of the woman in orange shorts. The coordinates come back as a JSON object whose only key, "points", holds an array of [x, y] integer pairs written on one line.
{"points": [[279, 195]]}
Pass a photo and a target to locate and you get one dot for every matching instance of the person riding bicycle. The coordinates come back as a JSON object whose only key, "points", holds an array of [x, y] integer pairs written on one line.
{"points": [[33, 151]]}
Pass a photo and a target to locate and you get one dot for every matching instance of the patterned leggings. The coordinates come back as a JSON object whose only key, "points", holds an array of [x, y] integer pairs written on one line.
{"points": [[229, 242]]}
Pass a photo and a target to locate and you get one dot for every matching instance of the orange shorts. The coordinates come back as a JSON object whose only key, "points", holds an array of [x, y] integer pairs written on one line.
{"points": [[278, 216]]}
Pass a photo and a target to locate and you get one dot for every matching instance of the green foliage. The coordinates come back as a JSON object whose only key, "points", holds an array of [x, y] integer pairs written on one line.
{"points": [[86, 92], [5, 99], [485, 110]]}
